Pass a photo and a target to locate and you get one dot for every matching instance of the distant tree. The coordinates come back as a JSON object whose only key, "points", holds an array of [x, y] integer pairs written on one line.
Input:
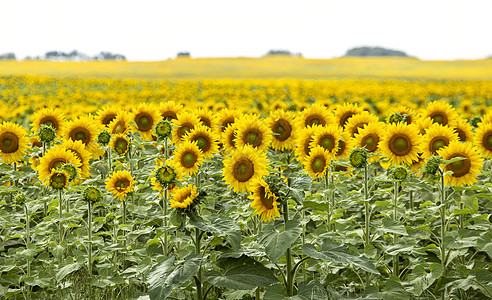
{"points": [[279, 52], [8, 56], [109, 56], [374, 51], [183, 54]]}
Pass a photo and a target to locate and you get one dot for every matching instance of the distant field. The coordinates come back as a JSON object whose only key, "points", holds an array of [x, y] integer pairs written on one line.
{"points": [[260, 68]]}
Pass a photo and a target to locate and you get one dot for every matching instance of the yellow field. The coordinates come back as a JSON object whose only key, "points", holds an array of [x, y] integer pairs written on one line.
{"points": [[260, 68]]}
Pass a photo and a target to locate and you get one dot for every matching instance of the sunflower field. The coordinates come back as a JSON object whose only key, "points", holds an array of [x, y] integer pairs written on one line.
{"points": [[245, 189]]}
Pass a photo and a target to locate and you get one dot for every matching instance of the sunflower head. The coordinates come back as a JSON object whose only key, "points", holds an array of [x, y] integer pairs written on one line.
{"points": [[264, 201], [71, 170], [317, 162], [120, 184], [163, 129], [58, 179], [103, 138], [120, 143], [431, 166], [13, 142], [463, 161], [399, 173], [188, 157], [92, 194], [358, 158], [46, 133], [20, 198], [182, 198], [396, 117], [166, 175]]}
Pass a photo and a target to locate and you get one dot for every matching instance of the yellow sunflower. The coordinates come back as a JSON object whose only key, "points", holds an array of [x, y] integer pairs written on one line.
{"points": [[464, 130], [357, 121], [169, 110], [326, 137], [58, 179], [409, 114], [343, 145], [226, 117], [54, 158], [107, 114], [188, 157], [183, 197], [317, 114], [423, 123], [487, 118], [120, 184], [437, 137], [264, 201], [78, 148], [253, 131], [185, 122], [401, 143], [317, 162], [243, 167], [205, 138], [146, 117], [464, 171], [483, 139], [206, 117], [83, 129], [120, 144], [165, 175], [278, 105], [343, 112], [282, 124], [53, 117], [121, 124], [13, 142], [369, 137], [441, 112], [228, 138], [304, 138]]}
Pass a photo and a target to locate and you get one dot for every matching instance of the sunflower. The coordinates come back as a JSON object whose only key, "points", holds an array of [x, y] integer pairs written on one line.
{"points": [[53, 117], [464, 130], [78, 148], [183, 197], [54, 158], [317, 114], [120, 184], [441, 112], [120, 144], [326, 137], [487, 118], [253, 131], [58, 179], [343, 145], [437, 137], [304, 138], [226, 117], [401, 143], [188, 157], [185, 122], [278, 105], [121, 124], [228, 138], [206, 117], [13, 142], [243, 167], [423, 123], [146, 117], [284, 130], [369, 137], [317, 162], [169, 110], [165, 175], [408, 113], [483, 139], [264, 201], [357, 121], [107, 114], [83, 129], [205, 139], [344, 112], [464, 171]]}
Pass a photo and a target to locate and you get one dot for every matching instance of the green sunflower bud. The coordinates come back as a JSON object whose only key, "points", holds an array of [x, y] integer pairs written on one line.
{"points": [[395, 118], [163, 129], [92, 194], [398, 173], [103, 138], [46, 133], [358, 158]]}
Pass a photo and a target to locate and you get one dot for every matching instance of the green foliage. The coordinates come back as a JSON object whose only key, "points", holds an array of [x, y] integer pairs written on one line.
{"points": [[373, 51]]}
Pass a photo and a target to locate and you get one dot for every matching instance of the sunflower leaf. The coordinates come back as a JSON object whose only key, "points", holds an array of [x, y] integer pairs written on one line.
{"points": [[276, 242]]}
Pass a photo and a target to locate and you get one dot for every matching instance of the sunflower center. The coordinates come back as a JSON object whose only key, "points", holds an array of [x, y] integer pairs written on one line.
{"points": [[341, 147], [487, 140], [344, 118], [9, 142], [49, 121], [266, 199], [307, 150], [184, 129], [227, 122], [165, 175], [243, 170], [202, 142], [370, 142], [460, 167], [80, 134], [282, 129], [183, 197], [205, 121], [56, 163], [122, 184], [327, 142], [318, 164], [253, 137], [119, 127], [169, 115], [400, 145], [461, 135], [314, 119], [437, 143], [188, 160], [144, 121], [121, 146], [59, 178], [439, 118], [108, 118]]}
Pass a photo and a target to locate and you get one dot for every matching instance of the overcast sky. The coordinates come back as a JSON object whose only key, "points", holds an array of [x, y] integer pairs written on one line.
{"points": [[148, 30]]}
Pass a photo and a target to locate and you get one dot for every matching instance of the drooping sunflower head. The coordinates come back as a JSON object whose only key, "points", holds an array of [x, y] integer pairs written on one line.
{"points": [[317, 162], [316, 114], [165, 175], [284, 129], [182, 198], [188, 157], [303, 141], [169, 110], [83, 129], [437, 137], [54, 159], [358, 121], [107, 114], [401, 143], [120, 184], [92, 194], [13, 142], [464, 171], [253, 131], [326, 137], [344, 112], [58, 179], [185, 122], [244, 166], [358, 157], [53, 117], [205, 138], [265, 201], [71, 170], [120, 144], [483, 139], [146, 117], [441, 112], [398, 173], [431, 166]]}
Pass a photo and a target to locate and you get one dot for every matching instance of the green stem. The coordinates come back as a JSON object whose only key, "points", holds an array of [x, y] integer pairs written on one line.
{"points": [[60, 228], [198, 279], [442, 212], [411, 200], [290, 279], [89, 223], [396, 263], [124, 220], [164, 211], [366, 205], [110, 160]]}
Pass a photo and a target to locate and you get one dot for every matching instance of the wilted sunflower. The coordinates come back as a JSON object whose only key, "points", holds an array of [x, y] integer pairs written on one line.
{"points": [[345, 111], [228, 138], [284, 130], [205, 138], [188, 157], [58, 179], [53, 117], [83, 129], [317, 114], [146, 117], [483, 139], [264, 201], [401, 143], [78, 148], [243, 167], [121, 124], [464, 130], [326, 137], [464, 171], [317, 162], [304, 138], [183, 197], [369, 137], [120, 184], [120, 144], [437, 137], [169, 110], [185, 122], [441, 112], [55, 158], [253, 131], [107, 114], [13, 142], [357, 121]]}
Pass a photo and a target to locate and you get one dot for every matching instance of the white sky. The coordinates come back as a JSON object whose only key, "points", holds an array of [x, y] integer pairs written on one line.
{"points": [[157, 30]]}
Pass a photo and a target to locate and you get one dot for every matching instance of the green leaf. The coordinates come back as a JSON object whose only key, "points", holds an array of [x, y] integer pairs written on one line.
{"points": [[277, 292], [221, 226], [165, 277], [421, 280], [394, 290], [243, 277], [317, 205], [67, 269], [276, 242], [391, 226], [331, 251], [313, 290]]}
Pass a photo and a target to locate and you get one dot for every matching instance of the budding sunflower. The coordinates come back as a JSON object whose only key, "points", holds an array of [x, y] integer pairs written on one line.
{"points": [[20, 198], [58, 179], [166, 175], [46, 133], [358, 157], [396, 117], [431, 166], [103, 138], [163, 129], [92, 194], [398, 173]]}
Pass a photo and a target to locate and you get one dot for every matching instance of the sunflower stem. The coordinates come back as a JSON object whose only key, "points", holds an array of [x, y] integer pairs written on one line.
{"points": [[60, 228], [396, 264], [411, 200], [442, 212], [290, 279], [367, 235], [164, 211], [28, 241], [89, 254], [124, 220], [110, 160], [198, 278]]}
